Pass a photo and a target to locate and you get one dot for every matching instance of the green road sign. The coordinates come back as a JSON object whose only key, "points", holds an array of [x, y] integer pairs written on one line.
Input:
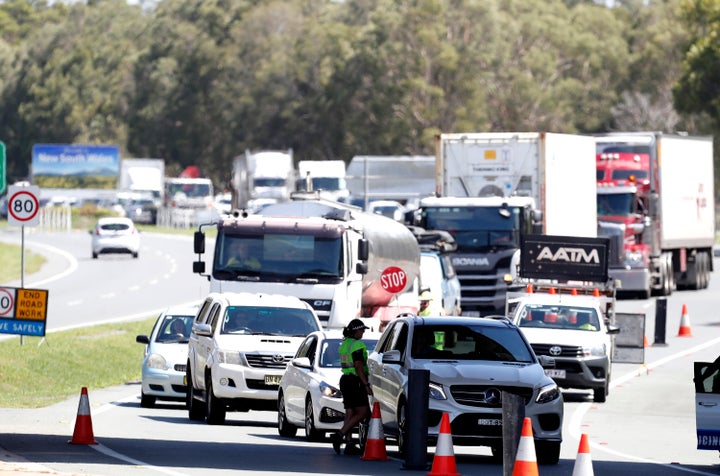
{"points": [[3, 170]]}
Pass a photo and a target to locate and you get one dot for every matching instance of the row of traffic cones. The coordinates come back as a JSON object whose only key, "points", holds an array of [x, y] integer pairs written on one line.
{"points": [[526, 461], [444, 459]]}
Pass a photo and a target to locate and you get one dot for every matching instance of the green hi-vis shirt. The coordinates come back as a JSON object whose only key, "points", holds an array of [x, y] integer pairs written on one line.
{"points": [[351, 350]]}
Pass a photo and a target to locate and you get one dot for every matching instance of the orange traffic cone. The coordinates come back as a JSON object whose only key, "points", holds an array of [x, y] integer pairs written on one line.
{"points": [[645, 342], [583, 463], [526, 461], [375, 446], [83, 434], [444, 460], [684, 324]]}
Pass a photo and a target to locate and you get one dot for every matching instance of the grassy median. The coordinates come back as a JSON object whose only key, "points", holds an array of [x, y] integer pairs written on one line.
{"points": [[40, 372]]}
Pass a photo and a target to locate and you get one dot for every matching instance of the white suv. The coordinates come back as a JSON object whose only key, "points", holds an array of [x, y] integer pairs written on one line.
{"points": [[472, 362], [239, 347]]}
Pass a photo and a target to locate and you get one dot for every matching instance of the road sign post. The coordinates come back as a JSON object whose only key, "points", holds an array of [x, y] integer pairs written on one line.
{"points": [[3, 168]]}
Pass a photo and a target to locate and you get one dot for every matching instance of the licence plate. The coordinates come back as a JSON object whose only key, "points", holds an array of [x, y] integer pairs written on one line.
{"points": [[555, 373], [272, 379], [489, 422]]}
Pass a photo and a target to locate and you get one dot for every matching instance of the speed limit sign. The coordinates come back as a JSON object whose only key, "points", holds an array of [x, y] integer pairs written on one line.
{"points": [[23, 205]]}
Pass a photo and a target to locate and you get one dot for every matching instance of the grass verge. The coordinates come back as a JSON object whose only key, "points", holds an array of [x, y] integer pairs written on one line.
{"points": [[11, 265], [41, 372]]}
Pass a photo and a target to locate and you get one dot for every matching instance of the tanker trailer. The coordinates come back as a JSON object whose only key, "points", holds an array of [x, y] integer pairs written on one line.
{"points": [[342, 261]]}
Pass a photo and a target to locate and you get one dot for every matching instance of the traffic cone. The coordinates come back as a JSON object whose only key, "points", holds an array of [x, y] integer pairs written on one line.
{"points": [[444, 460], [83, 434], [526, 461], [583, 463], [684, 323], [375, 446]]}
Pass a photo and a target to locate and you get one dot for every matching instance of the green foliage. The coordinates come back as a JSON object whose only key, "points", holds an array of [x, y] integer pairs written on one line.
{"points": [[41, 372], [197, 82]]}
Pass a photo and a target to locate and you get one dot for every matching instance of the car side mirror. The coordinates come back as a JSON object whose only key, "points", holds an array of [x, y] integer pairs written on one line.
{"points": [[301, 362], [142, 339], [391, 357]]}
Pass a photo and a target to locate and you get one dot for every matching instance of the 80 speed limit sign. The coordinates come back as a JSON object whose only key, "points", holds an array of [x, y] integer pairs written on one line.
{"points": [[23, 206]]}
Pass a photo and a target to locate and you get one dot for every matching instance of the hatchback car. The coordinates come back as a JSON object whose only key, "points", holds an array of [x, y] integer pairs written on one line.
{"points": [[165, 357], [472, 362], [115, 235], [309, 394]]}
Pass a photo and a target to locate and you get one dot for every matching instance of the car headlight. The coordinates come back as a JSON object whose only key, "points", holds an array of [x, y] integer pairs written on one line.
{"points": [[437, 392], [156, 361], [594, 351], [329, 391], [548, 393], [232, 357]]}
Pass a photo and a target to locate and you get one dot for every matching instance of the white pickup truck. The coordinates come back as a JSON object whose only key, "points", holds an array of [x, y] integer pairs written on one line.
{"points": [[238, 350], [575, 328]]}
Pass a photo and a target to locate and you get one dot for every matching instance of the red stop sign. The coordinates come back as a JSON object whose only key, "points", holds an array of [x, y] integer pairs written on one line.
{"points": [[393, 279]]}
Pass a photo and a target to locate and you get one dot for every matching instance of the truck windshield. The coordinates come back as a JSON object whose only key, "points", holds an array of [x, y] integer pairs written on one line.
{"points": [[476, 228], [269, 182], [277, 256], [615, 204]]}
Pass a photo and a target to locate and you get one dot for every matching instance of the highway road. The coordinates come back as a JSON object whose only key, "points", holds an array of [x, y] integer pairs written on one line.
{"points": [[646, 426]]}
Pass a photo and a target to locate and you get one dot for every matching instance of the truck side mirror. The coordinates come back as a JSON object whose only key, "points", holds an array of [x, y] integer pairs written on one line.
{"points": [[361, 268], [363, 250], [199, 267], [199, 242]]}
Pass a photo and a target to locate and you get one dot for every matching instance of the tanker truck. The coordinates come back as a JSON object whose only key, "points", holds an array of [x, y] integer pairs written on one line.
{"points": [[344, 262], [493, 188]]}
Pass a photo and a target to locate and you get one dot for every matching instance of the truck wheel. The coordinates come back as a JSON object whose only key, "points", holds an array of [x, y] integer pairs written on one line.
{"points": [[548, 452], [215, 407], [285, 428], [196, 411]]}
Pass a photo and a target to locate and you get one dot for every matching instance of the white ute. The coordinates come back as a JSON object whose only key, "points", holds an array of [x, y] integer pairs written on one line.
{"points": [[238, 351]]}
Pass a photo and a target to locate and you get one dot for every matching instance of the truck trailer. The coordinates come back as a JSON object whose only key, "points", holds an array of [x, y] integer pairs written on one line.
{"points": [[657, 191], [342, 261], [143, 176], [493, 188], [325, 176]]}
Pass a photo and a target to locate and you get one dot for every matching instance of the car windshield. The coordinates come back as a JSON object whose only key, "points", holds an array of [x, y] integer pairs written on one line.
{"points": [[559, 317], [470, 342], [330, 355], [281, 321], [175, 329]]}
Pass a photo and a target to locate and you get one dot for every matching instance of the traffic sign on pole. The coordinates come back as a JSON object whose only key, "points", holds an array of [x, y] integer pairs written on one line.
{"points": [[23, 205], [3, 170]]}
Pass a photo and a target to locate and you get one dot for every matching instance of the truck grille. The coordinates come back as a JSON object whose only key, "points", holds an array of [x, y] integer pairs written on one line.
{"points": [[566, 350], [486, 396], [268, 361]]}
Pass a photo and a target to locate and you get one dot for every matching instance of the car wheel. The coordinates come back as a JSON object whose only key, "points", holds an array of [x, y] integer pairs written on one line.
{"points": [[402, 430], [548, 452], [215, 407], [146, 401], [196, 411], [94, 255], [285, 428], [311, 433], [135, 255]]}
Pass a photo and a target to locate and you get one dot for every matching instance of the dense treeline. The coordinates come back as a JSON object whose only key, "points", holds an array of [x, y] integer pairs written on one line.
{"points": [[198, 81]]}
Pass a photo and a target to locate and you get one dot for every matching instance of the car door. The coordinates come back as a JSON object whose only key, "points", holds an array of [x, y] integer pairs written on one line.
{"points": [[707, 404], [205, 346], [297, 381], [392, 377]]}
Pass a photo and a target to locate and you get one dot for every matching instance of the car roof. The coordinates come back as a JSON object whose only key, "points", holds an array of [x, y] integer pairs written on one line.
{"points": [[338, 334], [496, 321], [182, 310], [259, 299]]}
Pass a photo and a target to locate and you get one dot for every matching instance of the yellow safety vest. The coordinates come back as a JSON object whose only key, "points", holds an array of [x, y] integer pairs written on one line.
{"points": [[346, 350]]}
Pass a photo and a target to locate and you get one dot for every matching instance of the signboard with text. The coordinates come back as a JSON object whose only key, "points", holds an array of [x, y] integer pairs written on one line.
{"points": [[75, 166], [23, 311]]}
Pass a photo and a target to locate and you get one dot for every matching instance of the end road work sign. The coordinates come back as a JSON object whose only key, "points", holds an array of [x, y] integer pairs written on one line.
{"points": [[23, 311]]}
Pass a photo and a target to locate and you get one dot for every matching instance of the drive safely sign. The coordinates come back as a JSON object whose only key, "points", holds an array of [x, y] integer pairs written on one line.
{"points": [[23, 311]]}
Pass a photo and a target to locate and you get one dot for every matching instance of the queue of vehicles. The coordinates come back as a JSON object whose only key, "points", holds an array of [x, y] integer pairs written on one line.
{"points": [[336, 261]]}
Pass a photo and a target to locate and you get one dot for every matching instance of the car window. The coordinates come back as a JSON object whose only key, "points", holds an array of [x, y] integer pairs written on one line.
{"points": [[330, 355], [470, 342], [175, 329], [707, 377], [559, 317], [268, 320], [303, 349], [213, 317], [114, 227], [202, 314]]}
